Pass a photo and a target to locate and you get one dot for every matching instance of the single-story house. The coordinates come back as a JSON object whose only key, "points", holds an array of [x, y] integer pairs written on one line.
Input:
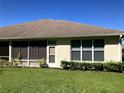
{"points": [[57, 40]]}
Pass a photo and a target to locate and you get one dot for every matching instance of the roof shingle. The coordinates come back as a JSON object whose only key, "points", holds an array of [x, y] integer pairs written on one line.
{"points": [[53, 29]]}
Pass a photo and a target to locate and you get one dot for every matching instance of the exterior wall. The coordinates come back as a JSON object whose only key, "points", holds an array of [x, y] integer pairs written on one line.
{"points": [[113, 49], [62, 51]]}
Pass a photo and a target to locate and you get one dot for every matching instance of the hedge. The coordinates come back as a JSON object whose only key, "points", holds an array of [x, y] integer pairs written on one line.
{"points": [[108, 66]]}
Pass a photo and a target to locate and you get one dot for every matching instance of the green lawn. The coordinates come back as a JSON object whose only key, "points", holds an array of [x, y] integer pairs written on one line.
{"points": [[36, 80]]}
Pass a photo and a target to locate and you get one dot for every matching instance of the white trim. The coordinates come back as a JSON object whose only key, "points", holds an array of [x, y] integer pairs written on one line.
{"points": [[92, 50], [120, 49], [87, 49], [28, 63], [81, 50], [5, 56], [98, 49], [76, 49], [28, 60], [47, 56], [10, 51], [51, 64]]}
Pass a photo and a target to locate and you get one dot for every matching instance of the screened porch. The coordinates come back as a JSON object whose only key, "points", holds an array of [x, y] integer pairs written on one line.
{"points": [[28, 52]]}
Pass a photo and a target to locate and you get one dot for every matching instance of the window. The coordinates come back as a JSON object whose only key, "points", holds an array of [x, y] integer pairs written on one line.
{"points": [[98, 55], [51, 47], [87, 43], [52, 59], [51, 54], [4, 49], [99, 50], [75, 44], [52, 50], [99, 43], [75, 50], [75, 55], [87, 55], [87, 50]]}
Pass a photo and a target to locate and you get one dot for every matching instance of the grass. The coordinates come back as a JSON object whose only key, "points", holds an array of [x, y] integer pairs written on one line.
{"points": [[36, 80]]}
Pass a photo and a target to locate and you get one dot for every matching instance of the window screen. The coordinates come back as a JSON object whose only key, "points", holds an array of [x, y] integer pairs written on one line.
{"points": [[51, 58], [86, 43], [99, 50], [87, 55], [99, 55], [99, 43], [75, 55], [75, 43]]}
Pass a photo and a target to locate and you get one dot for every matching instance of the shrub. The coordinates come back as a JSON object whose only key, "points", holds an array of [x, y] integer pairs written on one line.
{"points": [[82, 66], [6, 63], [42, 63], [122, 68], [15, 62], [10, 64], [1, 63], [114, 67], [96, 66], [65, 64]]}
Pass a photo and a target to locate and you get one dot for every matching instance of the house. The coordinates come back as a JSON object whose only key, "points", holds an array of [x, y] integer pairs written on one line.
{"points": [[57, 40]]}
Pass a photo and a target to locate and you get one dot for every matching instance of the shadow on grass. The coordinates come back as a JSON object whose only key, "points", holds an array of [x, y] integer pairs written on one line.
{"points": [[0, 71]]}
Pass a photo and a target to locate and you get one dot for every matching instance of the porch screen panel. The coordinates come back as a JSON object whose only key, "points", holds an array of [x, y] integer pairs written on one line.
{"points": [[4, 48], [23, 50], [42, 49], [37, 49], [19, 49], [33, 50], [15, 51]]}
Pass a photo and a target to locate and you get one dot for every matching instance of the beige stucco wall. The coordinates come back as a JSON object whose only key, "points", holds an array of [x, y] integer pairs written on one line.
{"points": [[62, 51], [113, 49]]}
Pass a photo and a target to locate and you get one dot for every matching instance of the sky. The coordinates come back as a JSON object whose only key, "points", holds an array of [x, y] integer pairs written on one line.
{"points": [[103, 13]]}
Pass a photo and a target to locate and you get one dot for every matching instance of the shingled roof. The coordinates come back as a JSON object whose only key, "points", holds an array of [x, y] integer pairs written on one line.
{"points": [[53, 29]]}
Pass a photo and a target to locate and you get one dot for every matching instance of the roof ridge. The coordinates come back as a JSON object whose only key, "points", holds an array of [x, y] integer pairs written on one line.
{"points": [[61, 20]]}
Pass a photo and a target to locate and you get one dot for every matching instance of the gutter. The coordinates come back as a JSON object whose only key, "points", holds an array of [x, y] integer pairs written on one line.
{"points": [[52, 37]]}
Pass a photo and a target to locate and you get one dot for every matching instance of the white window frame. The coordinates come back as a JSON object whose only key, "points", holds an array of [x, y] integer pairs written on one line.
{"points": [[92, 49]]}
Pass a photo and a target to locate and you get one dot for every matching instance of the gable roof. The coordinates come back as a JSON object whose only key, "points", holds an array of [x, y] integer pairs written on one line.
{"points": [[53, 29]]}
